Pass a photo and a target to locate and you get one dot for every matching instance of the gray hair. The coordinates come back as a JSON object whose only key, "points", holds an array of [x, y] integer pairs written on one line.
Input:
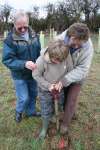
{"points": [[79, 30], [20, 14]]}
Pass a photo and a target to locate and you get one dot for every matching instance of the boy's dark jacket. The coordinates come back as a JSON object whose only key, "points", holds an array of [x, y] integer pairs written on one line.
{"points": [[16, 51]]}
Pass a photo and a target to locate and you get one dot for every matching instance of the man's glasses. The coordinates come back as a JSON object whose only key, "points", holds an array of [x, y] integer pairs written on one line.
{"points": [[21, 28]]}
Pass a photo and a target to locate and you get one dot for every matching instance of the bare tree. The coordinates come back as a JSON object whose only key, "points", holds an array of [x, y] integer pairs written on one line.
{"points": [[90, 7], [5, 11], [35, 12]]}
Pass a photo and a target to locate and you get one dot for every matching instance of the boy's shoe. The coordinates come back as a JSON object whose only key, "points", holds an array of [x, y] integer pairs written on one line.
{"points": [[18, 117], [63, 129], [43, 133]]}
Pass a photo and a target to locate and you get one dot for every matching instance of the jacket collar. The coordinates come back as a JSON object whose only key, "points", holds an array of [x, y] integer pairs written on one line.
{"points": [[46, 57]]}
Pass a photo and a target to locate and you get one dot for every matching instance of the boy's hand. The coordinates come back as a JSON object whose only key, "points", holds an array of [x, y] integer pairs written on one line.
{"points": [[58, 86], [52, 86]]}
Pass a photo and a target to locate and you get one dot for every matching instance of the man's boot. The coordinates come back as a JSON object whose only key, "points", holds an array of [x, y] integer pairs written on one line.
{"points": [[18, 117]]}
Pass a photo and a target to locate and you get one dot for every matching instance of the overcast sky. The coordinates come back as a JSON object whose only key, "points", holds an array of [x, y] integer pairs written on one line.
{"points": [[26, 4]]}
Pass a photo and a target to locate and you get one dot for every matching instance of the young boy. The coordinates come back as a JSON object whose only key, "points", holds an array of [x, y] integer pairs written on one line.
{"points": [[54, 62]]}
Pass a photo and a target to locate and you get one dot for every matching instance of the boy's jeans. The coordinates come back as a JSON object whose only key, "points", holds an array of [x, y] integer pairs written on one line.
{"points": [[47, 103], [26, 92]]}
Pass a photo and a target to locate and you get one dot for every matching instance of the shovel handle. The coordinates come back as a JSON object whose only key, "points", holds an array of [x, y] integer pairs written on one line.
{"points": [[57, 114], [55, 94]]}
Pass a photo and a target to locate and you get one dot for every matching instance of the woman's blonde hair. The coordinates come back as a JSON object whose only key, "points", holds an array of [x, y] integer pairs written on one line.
{"points": [[58, 50]]}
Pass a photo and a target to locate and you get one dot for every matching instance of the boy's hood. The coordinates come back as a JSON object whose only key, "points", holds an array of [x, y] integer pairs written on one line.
{"points": [[45, 55]]}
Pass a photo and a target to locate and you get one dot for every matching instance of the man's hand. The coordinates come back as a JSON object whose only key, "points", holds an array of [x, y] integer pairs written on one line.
{"points": [[30, 65], [58, 86]]}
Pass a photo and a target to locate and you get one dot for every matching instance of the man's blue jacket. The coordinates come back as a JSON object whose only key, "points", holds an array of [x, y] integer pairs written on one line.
{"points": [[16, 51]]}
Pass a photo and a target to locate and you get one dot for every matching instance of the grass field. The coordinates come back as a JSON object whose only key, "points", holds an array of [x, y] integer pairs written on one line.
{"points": [[84, 131]]}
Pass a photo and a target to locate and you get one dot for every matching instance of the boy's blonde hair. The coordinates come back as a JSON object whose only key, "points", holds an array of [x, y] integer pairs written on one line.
{"points": [[58, 50]]}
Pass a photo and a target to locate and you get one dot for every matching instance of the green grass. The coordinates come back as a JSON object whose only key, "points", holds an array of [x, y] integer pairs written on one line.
{"points": [[84, 132], [1, 44]]}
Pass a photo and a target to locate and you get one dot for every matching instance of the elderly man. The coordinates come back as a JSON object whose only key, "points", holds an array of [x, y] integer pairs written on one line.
{"points": [[20, 51], [78, 38]]}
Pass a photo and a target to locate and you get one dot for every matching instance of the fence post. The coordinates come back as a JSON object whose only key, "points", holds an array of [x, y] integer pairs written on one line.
{"points": [[42, 39], [5, 33], [50, 33], [54, 34], [99, 41]]}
